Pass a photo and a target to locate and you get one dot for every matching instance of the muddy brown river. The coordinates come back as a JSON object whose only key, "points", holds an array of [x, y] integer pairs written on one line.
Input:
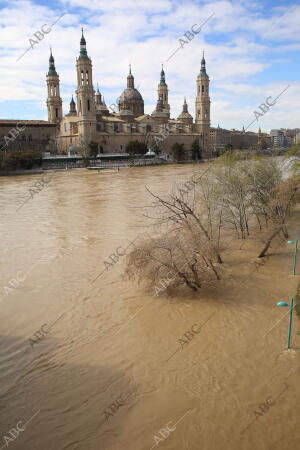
{"points": [[92, 361]]}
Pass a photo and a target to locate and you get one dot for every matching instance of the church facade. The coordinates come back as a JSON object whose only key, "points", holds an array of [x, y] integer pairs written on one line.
{"points": [[89, 119]]}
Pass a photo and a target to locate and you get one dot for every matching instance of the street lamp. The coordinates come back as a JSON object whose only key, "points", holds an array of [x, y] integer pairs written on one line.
{"points": [[295, 254], [290, 319]]}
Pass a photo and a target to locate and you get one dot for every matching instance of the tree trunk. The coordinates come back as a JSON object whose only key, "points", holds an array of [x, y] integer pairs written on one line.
{"points": [[268, 243]]}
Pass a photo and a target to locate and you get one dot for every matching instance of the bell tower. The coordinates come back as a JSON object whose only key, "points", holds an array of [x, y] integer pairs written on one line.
{"points": [[202, 110], [85, 92], [54, 101], [162, 91]]}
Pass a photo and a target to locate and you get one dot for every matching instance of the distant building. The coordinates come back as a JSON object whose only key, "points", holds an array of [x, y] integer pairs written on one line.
{"points": [[279, 138], [242, 140], [219, 138], [20, 135]]}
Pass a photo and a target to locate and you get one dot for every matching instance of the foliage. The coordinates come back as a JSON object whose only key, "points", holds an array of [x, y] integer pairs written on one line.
{"points": [[229, 157], [180, 256], [177, 152], [85, 161], [93, 149], [136, 148], [24, 160], [196, 150], [228, 147]]}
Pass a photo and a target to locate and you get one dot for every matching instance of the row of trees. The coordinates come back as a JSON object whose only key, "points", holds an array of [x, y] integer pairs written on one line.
{"points": [[196, 222], [177, 151], [25, 160]]}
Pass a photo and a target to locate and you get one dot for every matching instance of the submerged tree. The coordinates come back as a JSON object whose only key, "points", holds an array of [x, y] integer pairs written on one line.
{"points": [[180, 257]]}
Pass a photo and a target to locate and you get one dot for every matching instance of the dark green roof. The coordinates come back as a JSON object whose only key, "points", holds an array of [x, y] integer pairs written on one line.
{"points": [[162, 78], [203, 68], [52, 70], [83, 53]]}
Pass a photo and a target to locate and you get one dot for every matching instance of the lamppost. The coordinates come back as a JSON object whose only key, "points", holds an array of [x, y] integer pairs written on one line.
{"points": [[295, 254], [290, 318]]}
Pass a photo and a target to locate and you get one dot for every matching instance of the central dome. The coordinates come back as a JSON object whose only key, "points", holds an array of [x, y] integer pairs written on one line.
{"points": [[130, 94], [131, 99]]}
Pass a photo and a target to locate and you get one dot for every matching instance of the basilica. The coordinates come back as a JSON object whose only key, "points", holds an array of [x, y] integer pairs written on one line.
{"points": [[89, 118]]}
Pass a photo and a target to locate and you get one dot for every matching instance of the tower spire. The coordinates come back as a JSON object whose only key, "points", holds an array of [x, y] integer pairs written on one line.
{"points": [[185, 106], [130, 79], [203, 65], [162, 77], [83, 53], [52, 70]]}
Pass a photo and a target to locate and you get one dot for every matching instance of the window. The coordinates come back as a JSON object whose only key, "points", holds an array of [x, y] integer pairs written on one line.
{"points": [[82, 78], [80, 105], [65, 127], [88, 105], [202, 89], [98, 127], [87, 77], [148, 128], [56, 112]]}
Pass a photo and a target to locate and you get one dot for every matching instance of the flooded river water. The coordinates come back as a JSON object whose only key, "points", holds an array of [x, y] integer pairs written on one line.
{"points": [[90, 361]]}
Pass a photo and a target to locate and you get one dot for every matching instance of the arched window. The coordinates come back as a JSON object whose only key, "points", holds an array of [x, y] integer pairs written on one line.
{"points": [[82, 78], [88, 105], [87, 77]]}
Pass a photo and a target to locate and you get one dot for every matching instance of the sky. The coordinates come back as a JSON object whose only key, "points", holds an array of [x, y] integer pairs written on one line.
{"points": [[252, 52]]}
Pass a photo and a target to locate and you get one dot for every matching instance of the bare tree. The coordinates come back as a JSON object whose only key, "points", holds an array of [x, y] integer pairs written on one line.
{"points": [[196, 209], [279, 208], [179, 256], [263, 176], [234, 184]]}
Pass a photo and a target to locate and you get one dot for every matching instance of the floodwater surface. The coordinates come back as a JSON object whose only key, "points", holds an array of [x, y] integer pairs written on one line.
{"points": [[92, 361]]}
